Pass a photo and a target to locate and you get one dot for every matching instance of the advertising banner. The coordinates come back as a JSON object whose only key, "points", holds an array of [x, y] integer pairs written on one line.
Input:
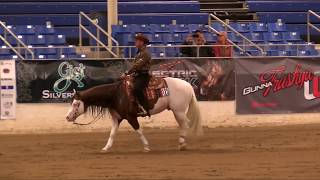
{"points": [[277, 85], [54, 81], [8, 90]]}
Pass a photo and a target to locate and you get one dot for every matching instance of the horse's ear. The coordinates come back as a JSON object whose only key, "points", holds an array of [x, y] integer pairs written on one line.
{"points": [[76, 95]]}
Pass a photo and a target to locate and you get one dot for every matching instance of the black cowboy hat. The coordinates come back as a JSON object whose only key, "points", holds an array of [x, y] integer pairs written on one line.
{"points": [[143, 38]]}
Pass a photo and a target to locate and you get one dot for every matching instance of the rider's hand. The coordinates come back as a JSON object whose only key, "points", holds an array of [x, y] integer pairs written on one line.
{"points": [[123, 76]]}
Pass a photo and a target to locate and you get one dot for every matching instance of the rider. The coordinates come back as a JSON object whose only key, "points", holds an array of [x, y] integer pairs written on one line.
{"points": [[140, 71]]}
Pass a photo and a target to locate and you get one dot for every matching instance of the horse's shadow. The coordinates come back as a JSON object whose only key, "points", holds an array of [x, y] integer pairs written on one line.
{"points": [[170, 152]]}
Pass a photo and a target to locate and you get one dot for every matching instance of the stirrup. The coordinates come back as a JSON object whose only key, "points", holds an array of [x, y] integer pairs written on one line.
{"points": [[142, 112]]}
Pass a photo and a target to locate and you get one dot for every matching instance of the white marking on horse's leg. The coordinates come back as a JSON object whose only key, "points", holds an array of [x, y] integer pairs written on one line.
{"points": [[115, 126], [182, 121], [144, 140]]}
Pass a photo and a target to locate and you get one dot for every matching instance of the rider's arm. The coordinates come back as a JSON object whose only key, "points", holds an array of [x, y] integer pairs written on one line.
{"points": [[139, 63]]}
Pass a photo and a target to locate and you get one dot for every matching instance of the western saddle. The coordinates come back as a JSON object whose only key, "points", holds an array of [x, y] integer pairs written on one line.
{"points": [[157, 88]]}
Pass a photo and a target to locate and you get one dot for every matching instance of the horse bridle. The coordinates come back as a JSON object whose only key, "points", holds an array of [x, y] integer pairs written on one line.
{"points": [[82, 124]]}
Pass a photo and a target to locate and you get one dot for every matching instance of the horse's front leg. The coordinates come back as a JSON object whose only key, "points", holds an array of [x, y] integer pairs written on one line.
{"points": [[115, 126], [136, 126]]}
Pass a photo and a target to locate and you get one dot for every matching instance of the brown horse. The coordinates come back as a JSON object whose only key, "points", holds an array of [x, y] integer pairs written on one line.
{"points": [[113, 98]]}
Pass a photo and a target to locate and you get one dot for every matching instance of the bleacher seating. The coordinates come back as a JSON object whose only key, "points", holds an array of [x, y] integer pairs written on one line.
{"points": [[64, 13], [154, 19], [293, 12], [43, 40], [258, 32]]}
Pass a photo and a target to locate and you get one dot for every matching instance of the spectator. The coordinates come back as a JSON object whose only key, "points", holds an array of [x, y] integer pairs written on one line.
{"points": [[224, 50], [187, 51], [199, 39]]}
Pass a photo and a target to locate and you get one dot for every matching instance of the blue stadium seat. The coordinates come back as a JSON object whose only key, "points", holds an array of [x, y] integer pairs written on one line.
{"points": [[210, 37], [234, 37], [270, 46], [290, 47], [194, 27], [172, 38], [255, 37], [50, 50], [179, 28], [171, 51], [44, 30], [273, 37], [240, 27], [24, 30], [56, 39], [277, 53], [258, 27], [69, 50], [38, 40], [125, 39], [306, 47], [4, 51], [160, 28], [253, 51], [277, 27], [292, 36], [156, 38], [13, 41], [137, 28], [218, 26], [123, 29]]}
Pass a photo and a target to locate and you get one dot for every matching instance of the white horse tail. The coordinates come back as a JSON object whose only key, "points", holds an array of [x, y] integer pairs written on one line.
{"points": [[194, 117]]}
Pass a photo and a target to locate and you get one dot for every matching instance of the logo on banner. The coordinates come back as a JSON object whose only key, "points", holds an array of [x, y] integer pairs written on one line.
{"points": [[276, 80], [68, 75], [171, 69]]}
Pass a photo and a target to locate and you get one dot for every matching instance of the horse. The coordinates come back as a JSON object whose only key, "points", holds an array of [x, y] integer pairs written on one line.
{"points": [[111, 98]]}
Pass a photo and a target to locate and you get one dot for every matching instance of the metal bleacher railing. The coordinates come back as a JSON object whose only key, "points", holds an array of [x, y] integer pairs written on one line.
{"points": [[22, 50], [245, 40], [111, 48], [310, 25]]}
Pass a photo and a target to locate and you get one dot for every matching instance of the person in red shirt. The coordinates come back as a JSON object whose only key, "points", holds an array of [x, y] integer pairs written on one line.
{"points": [[225, 50]]}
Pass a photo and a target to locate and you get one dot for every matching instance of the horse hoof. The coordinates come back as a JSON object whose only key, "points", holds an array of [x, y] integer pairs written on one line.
{"points": [[183, 147], [104, 151], [146, 149]]}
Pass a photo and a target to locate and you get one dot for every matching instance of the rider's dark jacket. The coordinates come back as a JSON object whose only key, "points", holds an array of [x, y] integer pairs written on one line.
{"points": [[141, 62]]}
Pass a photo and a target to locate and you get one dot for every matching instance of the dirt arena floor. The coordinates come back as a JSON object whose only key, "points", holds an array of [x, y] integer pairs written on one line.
{"points": [[264, 153]]}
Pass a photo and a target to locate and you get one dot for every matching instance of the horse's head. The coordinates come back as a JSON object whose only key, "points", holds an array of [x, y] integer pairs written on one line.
{"points": [[77, 108]]}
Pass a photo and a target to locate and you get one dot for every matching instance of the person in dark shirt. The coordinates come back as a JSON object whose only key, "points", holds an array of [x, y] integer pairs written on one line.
{"points": [[140, 72], [187, 51], [199, 51]]}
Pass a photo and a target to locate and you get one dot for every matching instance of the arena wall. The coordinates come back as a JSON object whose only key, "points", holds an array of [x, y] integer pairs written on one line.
{"points": [[50, 118]]}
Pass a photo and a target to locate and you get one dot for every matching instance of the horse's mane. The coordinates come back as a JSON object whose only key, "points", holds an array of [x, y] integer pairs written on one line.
{"points": [[99, 100]]}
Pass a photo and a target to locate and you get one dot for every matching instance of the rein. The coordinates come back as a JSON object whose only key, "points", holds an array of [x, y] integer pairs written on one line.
{"points": [[85, 124]]}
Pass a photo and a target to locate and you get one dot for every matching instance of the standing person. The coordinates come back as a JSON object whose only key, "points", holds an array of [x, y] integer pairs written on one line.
{"points": [[225, 48], [140, 72]]}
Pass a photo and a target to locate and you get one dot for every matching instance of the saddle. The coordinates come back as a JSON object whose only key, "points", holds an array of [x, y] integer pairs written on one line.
{"points": [[157, 88]]}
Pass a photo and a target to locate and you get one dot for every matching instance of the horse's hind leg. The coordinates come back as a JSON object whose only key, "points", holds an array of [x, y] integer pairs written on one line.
{"points": [[136, 126], [182, 121]]}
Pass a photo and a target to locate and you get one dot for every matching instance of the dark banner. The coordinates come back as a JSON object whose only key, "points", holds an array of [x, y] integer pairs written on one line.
{"points": [[54, 81], [277, 85]]}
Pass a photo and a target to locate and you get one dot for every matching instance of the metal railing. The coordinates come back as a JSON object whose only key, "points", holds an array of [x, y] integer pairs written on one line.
{"points": [[228, 27], [310, 25], [97, 38], [232, 43], [302, 48], [21, 45]]}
